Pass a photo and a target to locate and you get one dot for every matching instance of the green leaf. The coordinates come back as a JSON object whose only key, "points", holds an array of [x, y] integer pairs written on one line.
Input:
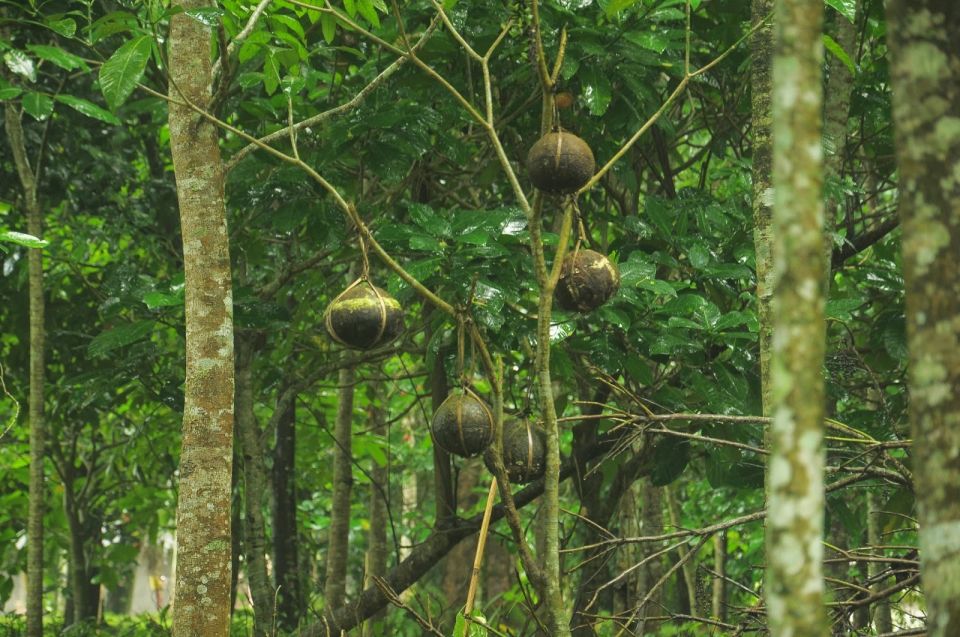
{"points": [[846, 8], [328, 24], [38, 105], [207, 16], [119, 336], [616, 6], [25, 240], [369, 13], [834, 47], [672, 456], [271, 73], [88, 108], [8, 91], [119, 75], [351, 7], [649, 40], [155, 299], [64, 59], [21, 64], [65, 27], [288, 23], [597, 91]]}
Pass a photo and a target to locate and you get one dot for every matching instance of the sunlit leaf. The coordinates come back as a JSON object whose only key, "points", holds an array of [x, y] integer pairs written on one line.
{"points": [[119, 75], [21, 64], [22, 239]]}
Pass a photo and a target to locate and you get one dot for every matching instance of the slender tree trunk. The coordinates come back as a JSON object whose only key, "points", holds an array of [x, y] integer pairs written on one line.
{"points": [[37, 490], [338, 542], [795, 495], [881, 609], [925, 77], [254, 486], [689, 567], [650, 573], [286, 562], [377, 550], [761, 49], [836, 111], [718, 606], [203, 510]]}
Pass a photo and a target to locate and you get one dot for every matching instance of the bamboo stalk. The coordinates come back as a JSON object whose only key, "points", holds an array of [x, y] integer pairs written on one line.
{"points": [[481, 544]]}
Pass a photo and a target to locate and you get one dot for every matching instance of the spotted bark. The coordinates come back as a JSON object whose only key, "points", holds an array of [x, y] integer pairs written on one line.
{"points": [[37, 490], [795, 495], [202, 603], [761, 50], [925, 77]]}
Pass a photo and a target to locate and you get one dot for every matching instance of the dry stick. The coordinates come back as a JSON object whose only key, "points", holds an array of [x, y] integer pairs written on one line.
{"points": [[481, 544]]}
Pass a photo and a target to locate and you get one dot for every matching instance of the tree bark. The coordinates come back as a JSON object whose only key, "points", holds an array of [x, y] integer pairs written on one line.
{"points": [[286, 562], [377, 552], [761, 49], [203, 510], [925, 78], [651, 524], [795, 492], [718, 605], [254, 486], [37, 489], [338, 542]]}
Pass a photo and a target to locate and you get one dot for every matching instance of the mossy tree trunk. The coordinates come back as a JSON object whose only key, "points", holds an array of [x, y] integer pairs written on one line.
{"points": [[37, 491], [203, 510], [925, 77], [338, 542], [795, 494], [377, 549], [761, 53]]}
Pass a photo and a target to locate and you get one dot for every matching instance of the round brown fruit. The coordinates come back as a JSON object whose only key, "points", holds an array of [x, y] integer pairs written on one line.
{"points": [[364, 316], [524, 451], [462, 425], [563, 100], [560, 163], [587, 280]]}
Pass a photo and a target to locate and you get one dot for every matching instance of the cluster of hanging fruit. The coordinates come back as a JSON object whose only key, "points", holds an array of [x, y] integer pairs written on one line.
{"points": [[364, 316]]}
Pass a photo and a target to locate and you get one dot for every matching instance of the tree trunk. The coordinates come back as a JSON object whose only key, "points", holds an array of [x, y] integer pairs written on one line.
{"points": [[37, 490], [203, 511], [286, 563], [377, 552], [761, 49], [836, 111], [254, 486], [338, 542], [881, 609], [718, 605], [795, 495], [651, 524], [925, 78]]}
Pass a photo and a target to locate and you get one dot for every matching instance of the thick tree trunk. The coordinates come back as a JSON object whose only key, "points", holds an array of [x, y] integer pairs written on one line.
{"points": [[377, 550], [925, 77], [338, 542], [203, 510], [795, 495], [761, 50], [286, 562], [37, 490], [254, 486]]}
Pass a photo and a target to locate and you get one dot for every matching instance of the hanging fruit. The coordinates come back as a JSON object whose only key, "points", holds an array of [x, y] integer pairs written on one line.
{"points": [[524, 451], [560, 163], [463, 424], [363, 316], [587, 280]]}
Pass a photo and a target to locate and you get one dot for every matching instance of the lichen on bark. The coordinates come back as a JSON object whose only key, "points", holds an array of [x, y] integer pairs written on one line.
{"points": [[794, 579], [925, 78], [202, 604]]}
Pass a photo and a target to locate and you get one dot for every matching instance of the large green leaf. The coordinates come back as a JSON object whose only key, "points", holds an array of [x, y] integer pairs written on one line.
{"points": [[21, 64], [38, 105], [64, 59], [119, 75], [110, 340], [88, 108], [25, 240]]}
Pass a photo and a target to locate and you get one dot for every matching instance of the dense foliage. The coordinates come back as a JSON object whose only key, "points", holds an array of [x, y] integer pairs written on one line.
{"points": [[657, 392]]}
